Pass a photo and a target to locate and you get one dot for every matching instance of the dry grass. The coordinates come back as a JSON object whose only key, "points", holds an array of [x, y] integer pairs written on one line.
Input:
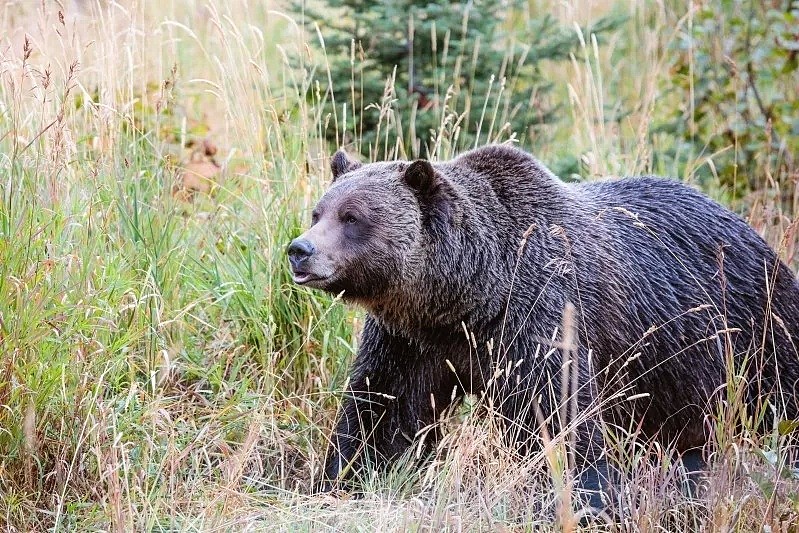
{"points": [[160, 371]]}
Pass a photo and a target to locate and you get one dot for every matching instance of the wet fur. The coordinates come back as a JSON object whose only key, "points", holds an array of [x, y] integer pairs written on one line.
{"points": [[496, 242]]}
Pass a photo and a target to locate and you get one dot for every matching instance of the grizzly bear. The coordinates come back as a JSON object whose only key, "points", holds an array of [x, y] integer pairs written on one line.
{"points": [[669, 287]]}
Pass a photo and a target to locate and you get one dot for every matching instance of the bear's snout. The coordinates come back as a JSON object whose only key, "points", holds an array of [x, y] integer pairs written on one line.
{"points": [[299, 251], [310, 264]]}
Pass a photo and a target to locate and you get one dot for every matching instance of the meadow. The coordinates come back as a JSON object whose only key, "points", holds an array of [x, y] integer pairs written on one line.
{"points": [[160, 371]]}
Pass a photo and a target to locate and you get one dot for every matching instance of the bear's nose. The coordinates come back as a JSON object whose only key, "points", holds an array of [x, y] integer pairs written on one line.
{"points": [[300, 250]]}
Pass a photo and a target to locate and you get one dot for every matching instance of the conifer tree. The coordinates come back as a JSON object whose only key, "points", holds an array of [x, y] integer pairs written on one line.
{"points": [[421, 78]]}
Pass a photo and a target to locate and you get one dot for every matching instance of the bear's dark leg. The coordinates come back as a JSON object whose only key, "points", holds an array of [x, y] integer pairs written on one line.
{"points": [[535, 398], [594, 481], [372, 429], [695, 466], [595, 478], [393, 394]]}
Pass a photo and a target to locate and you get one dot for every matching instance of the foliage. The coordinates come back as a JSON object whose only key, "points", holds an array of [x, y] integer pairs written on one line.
{"points": [[438, 74], [735, 80]]}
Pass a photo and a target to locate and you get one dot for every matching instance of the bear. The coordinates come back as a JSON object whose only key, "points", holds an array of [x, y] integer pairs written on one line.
{"points": [[667, 287]]}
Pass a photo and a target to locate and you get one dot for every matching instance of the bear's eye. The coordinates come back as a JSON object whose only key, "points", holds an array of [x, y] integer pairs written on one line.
{"points": [[350, 219], [314, 218]]}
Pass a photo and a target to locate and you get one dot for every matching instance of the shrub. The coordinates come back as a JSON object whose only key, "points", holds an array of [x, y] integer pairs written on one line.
{"points": [[735, 77]]}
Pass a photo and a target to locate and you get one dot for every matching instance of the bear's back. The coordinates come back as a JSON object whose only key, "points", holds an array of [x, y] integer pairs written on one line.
{"points": [[685, 223], [677, 249]]}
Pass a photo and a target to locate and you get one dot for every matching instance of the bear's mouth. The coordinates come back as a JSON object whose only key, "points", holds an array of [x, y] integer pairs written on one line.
{"points": [[301, 278]]}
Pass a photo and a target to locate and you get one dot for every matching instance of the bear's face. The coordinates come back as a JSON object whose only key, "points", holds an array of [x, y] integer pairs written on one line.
{"points": [[365, 232]]}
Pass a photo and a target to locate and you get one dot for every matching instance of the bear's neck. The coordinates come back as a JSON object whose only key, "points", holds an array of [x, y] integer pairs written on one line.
{"points": [[421, 312]]}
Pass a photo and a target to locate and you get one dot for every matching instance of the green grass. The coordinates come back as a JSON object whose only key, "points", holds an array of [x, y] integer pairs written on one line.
{"points": [[160, 370]]}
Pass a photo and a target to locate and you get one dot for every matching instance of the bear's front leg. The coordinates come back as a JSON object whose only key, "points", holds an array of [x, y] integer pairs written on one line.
{"points": [[393, 393], [369, 433]]}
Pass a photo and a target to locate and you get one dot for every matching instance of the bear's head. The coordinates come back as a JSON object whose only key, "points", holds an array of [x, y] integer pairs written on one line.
{"points": [[375, 230]]}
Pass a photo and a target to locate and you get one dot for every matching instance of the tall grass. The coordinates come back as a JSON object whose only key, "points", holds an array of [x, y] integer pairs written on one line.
{"points": [[147, 341], [160, 370]]}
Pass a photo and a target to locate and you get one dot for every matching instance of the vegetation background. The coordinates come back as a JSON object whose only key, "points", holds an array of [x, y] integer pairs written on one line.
{"points": [[159, 369]]}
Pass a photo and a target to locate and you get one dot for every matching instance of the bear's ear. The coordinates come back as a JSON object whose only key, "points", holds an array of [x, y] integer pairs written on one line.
{"points": [[420, 177], [341, 163], [437, 195]]}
